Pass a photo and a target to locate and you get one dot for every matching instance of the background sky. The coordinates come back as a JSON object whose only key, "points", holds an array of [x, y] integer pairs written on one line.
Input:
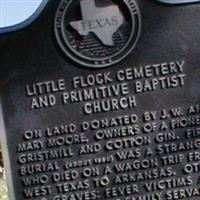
{"points": [[15, 11]]}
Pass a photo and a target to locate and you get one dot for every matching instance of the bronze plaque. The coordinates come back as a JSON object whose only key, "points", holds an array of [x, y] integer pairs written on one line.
{"points": [[101, 100]]}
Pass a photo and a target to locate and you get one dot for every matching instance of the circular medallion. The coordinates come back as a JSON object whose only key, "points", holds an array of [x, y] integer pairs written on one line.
{"points": [[97, 33]]}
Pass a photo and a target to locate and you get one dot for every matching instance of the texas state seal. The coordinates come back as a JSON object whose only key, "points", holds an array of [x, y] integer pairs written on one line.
{"points": [[97, 33]]}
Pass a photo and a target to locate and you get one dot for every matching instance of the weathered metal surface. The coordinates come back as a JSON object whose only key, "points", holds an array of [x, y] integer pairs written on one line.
{"points": [[129, 131]]}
